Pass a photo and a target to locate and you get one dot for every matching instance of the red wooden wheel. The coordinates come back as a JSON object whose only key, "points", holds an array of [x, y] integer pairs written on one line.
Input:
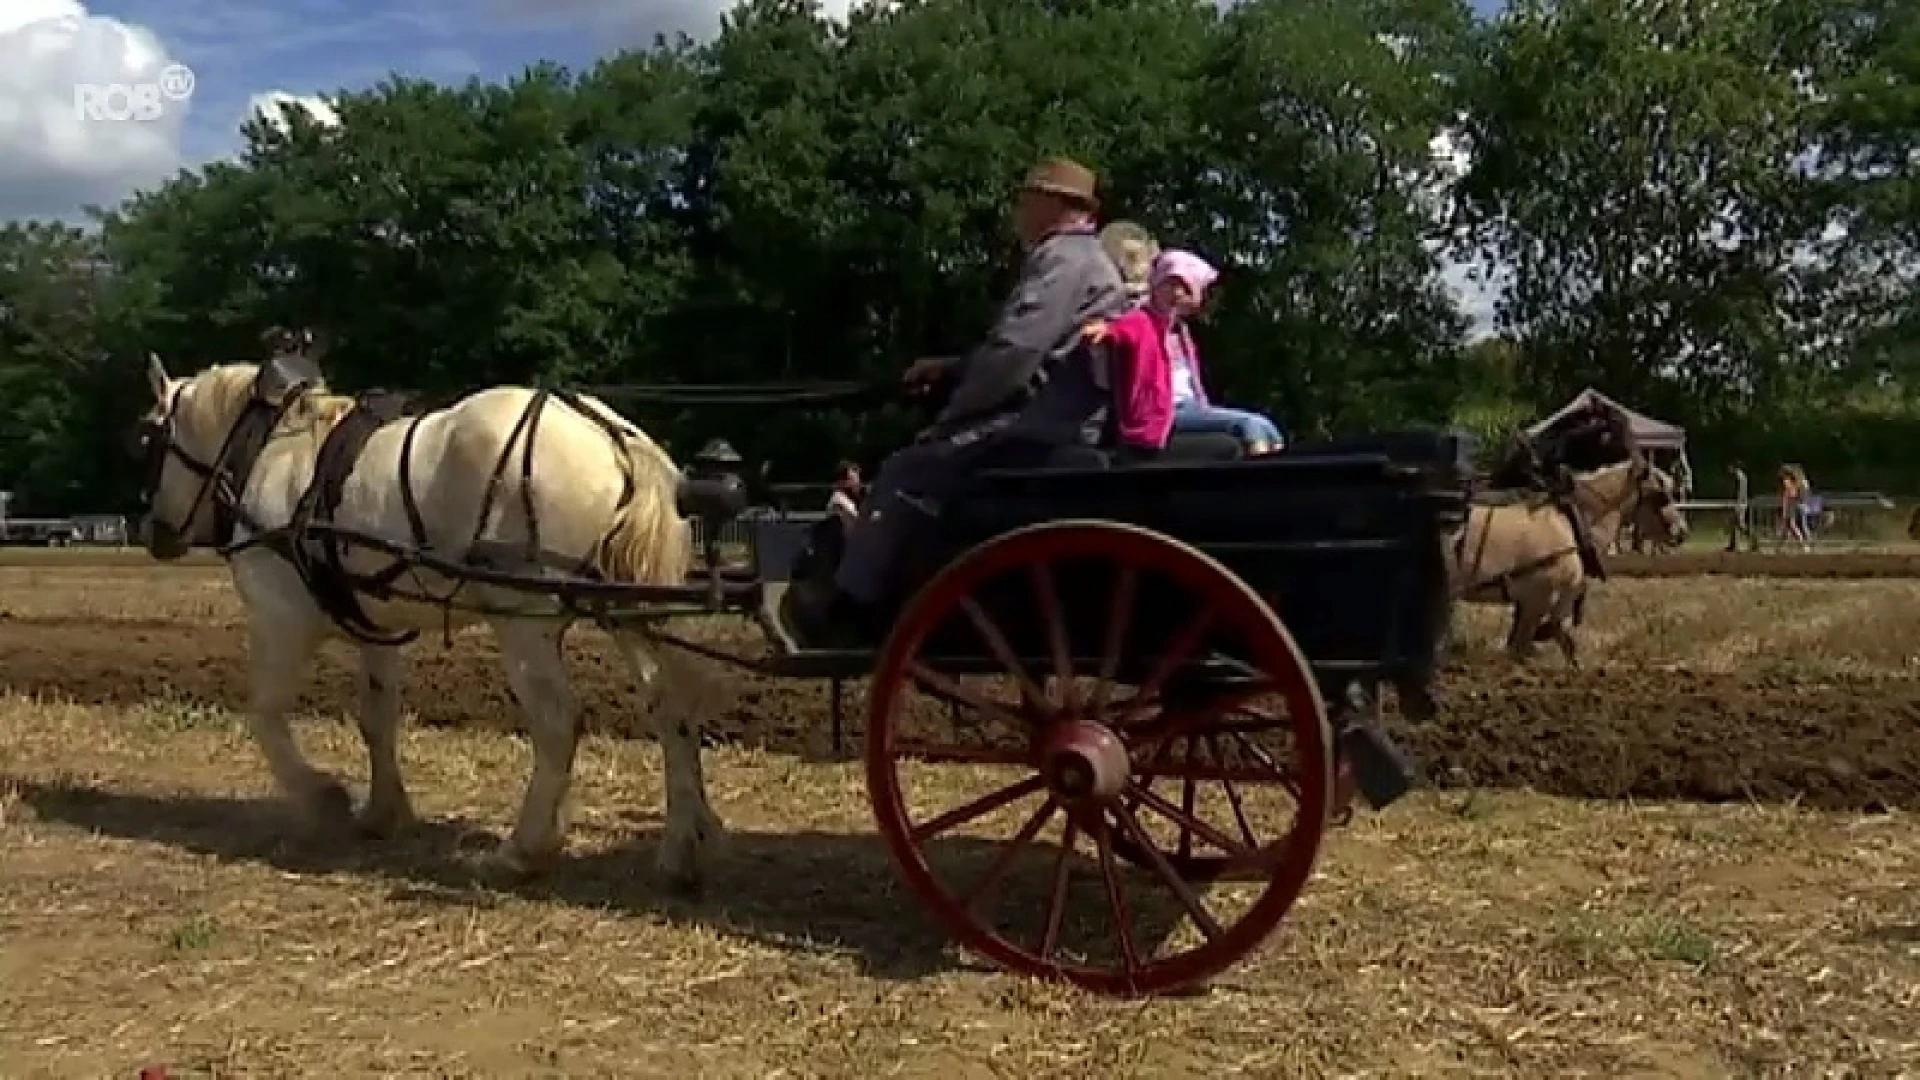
{"points": [[1099, 631]]}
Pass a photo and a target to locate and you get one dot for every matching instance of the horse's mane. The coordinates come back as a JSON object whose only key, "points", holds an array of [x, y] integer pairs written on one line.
{"points": [[225, 389]]}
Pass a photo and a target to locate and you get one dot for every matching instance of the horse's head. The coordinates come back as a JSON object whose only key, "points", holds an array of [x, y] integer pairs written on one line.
{"points": [[1638, 494], [189, 439], [1657, 515]]}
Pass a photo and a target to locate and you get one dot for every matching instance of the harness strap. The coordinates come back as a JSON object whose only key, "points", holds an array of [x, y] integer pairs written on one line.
{"points": [[319, 554], [416, 524], [317, 550]]}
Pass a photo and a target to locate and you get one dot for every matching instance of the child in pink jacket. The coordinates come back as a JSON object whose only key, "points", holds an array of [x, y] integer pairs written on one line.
{"points": [[1155, 368]]}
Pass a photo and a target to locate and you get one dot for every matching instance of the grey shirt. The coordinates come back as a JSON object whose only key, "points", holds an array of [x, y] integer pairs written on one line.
{"points": [[1066, 280], [1740, 489]]}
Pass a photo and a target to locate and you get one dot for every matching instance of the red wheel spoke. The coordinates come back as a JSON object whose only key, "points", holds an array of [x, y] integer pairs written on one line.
{"points": [[1057, 892], [1047, 599], [1176, 884], [1116, 895], [978, 808], [1109, 712], [1003, 652], [1189, 794], [1119, 621], [1183, 646], [1233, 796], [1186, 721], [1188, 821], [953, 691], [990, 882], [933, 754], [1259, 753], [1219, 774]]}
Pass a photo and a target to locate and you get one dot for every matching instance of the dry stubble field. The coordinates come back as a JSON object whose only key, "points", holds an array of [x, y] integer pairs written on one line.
{"points": [[1693, 858]]}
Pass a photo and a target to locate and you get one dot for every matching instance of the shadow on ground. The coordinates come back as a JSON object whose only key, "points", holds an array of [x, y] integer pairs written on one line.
{"points": [[803, 892]]}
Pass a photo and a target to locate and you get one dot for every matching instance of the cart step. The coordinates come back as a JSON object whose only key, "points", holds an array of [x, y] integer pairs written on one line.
{"points": [[1382, 771]]}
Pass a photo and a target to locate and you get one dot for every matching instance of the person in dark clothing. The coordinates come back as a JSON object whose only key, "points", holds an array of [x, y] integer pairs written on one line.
{"points": [[1030, 384], [1740, 520]]}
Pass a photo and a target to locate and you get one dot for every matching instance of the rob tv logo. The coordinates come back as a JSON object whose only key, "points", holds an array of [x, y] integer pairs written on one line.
{"points": [[139, 101]]}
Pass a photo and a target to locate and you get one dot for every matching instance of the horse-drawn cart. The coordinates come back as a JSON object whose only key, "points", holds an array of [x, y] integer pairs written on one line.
{"points": [[1092, 632], [1133, 658]]}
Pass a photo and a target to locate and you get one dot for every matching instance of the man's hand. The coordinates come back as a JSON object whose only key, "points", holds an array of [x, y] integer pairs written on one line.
{"points": [[1095, 332], [926, 371]]}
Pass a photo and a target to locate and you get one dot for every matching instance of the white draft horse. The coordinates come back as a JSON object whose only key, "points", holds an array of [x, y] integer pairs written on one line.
{"points": [[595, 490]]}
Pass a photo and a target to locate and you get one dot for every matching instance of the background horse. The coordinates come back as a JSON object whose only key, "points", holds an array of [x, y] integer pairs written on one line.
{"points": [[1652, 517], [234, 457], [1524, 551]]}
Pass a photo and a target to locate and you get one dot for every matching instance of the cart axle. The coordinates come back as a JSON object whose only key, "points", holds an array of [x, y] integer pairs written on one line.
{"points": [[1085, 762]]}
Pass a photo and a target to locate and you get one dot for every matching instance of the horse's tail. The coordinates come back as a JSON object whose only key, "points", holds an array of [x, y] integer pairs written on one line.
{"points": [[649, 542]]}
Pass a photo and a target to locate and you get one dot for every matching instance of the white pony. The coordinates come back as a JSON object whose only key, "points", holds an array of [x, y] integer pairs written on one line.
{"points": [[601, 495]]}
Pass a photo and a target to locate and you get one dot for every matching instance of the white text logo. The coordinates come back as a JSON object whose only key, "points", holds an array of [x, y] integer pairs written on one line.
{"points": [[142, 101]]}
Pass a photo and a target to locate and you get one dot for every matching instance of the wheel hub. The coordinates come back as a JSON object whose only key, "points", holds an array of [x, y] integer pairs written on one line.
{"points": [[1085, 762]]}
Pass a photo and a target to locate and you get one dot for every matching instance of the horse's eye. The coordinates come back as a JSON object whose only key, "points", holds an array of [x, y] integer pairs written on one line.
{"points": [[143, 436]]}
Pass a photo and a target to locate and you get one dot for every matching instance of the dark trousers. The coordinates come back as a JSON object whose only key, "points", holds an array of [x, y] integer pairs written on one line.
{"points": [[903, 503], [1740, 527]]}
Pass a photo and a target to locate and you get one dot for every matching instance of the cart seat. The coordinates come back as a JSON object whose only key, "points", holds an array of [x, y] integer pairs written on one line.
{"points": [[1186, 449]]}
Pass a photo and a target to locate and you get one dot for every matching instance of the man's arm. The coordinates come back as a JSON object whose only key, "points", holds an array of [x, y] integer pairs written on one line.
{"points": [[1042, 312]]}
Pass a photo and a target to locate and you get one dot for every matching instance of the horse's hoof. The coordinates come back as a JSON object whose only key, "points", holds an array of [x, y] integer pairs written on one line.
{"points": [[513, 864], [328, 807], [686, 884], [380, 823]]}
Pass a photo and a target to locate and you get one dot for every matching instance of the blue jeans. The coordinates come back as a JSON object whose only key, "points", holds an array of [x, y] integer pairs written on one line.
{"points": [[1249, 427]]}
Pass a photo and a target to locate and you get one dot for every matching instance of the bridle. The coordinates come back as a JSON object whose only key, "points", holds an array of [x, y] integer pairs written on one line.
{"points": [[223, 480]]}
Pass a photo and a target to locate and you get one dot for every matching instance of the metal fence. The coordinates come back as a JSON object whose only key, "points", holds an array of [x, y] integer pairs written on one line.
{"points": [[1846, 519], [739, 532]]}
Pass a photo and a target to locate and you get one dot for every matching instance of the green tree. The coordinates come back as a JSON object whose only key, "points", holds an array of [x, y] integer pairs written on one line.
{"points": [[1633, 163], [1318, 141]]}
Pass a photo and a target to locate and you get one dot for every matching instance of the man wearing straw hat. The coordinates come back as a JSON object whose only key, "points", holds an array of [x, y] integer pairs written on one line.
{"points": [[1029, 385]]}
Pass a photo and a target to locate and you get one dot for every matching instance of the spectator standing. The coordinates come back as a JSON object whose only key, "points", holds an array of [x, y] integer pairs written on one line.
{"points": [[1740, 523], [1794, 491]]}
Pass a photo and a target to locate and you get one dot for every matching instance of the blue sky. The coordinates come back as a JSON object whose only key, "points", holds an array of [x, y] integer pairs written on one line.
{"points": [[238, 48], [241, 47]]}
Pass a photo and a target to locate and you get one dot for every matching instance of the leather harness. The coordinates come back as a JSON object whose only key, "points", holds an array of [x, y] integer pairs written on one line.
{"points": [[314, 544]]}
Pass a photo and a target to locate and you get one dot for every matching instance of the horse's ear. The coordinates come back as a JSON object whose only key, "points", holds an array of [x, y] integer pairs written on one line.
{"points": [[285, 372], [157, 377]]}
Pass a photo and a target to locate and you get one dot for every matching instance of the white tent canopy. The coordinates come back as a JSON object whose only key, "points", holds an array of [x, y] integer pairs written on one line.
{"points": [[1650, 433]]}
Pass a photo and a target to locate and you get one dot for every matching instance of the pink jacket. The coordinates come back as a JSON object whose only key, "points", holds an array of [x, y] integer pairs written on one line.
{"points": [[1142, 376]]}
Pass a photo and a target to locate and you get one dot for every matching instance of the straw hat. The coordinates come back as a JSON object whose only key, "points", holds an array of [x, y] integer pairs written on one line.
{"points": [[1064, 178]]}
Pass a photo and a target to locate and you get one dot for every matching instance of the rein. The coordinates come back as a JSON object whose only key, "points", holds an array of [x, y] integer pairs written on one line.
{"points": [[773, 393]]}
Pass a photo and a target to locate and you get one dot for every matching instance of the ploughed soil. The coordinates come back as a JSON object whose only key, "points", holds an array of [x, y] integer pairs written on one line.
{"points": [[1826, 739]]}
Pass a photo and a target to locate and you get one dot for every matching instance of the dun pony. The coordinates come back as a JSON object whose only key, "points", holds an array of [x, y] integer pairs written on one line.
{"points": [[1524, 553]]}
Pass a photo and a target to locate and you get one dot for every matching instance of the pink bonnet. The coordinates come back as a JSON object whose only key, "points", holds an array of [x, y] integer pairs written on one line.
{"points": [[1198, 274]]}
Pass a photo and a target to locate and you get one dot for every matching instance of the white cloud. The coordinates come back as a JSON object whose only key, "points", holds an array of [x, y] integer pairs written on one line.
{"points": [[51, 160], [274, 106]]}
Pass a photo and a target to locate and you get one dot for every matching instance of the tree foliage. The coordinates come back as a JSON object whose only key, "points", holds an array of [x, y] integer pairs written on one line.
{"points": [[802, 198]]}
